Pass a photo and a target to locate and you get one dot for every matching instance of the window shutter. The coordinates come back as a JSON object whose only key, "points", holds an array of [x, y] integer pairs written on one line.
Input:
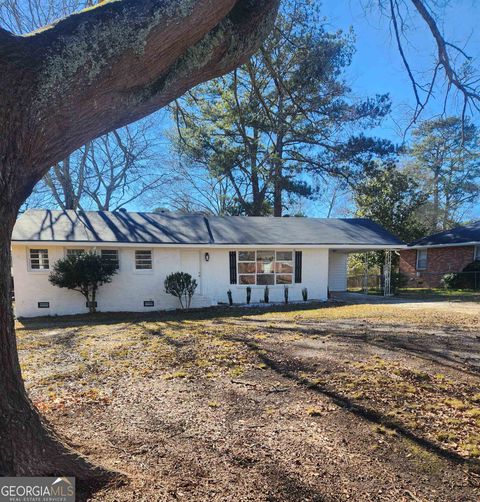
{"points": [[233, 267], [298, 267]]}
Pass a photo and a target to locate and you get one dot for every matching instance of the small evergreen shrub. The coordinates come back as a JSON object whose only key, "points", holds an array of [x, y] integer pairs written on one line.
{"points": [[266, 295], [285, 294], [84, 273], [468, 278], [249, 295], [230, 298], [448, 281], [305, 294], [182, 286]]}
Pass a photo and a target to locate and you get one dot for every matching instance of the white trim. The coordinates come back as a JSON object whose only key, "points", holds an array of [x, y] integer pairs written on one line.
{"points": [[274, 273], [417, 259], [143, 271], [455, 245], [100, 249], [29, 261], [95, 244]]}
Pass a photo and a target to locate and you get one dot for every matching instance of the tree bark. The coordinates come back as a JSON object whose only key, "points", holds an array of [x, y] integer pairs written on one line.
{"points": [[27, 443], [67, 84], [278, 160], [278, 179], [436, 198], [91, 306]]}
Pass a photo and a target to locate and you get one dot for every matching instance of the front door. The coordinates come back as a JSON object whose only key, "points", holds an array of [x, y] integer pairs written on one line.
{"points": [[190, 263]]}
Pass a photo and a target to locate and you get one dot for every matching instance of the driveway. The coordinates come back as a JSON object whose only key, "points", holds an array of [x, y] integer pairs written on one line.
{"points": [[460, 306]]}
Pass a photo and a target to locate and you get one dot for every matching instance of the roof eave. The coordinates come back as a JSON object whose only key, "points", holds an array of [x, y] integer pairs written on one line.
{"points": [[449, 245], [333, 245]]}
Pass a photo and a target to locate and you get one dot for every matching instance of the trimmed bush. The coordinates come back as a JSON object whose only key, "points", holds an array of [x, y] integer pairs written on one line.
{"points": [[182, 286], [468, 278], [85, 273], [266, 295], [448, 281]]}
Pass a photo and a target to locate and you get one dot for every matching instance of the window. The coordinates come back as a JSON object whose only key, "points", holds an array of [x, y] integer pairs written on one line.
{"points": [[39, 259], [421, 259], [265, 268], [75, 252], [246, 267], [143, 259], [111, 255], [43, 305], [477, 253]]}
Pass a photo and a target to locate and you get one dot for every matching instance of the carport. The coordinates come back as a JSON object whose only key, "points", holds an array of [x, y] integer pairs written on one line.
{"points": [[338, 267]]}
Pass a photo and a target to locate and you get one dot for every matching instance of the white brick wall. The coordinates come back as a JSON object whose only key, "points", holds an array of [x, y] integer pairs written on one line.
{"points": [[337, 271], [130, 288]]}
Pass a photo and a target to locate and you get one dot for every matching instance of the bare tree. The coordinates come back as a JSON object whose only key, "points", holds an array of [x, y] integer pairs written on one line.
{"points": [[66, 180], [24, 16], [107, 173], [451, 63], [67, 84], [124, 167], [194, 189]]}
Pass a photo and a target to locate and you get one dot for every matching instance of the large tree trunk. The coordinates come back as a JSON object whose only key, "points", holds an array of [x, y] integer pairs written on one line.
{"points": [[27, 443], [436, 198], [278, 163], [278, 190], [67, 84]]}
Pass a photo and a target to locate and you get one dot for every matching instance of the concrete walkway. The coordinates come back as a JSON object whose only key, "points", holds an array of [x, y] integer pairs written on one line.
{"points": [[418, 303]]}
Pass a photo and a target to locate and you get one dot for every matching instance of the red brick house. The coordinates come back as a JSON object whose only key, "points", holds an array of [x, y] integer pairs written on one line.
{"points": [[427, 260]]}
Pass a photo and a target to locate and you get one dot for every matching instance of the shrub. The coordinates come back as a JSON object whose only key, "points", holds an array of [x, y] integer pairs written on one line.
{"points": [[397, 281], [468, 278], [249, 295], [266, 295], [305, 294], [448, 281], [84, 273], [182, 286], [285, 294], [230, 299]]}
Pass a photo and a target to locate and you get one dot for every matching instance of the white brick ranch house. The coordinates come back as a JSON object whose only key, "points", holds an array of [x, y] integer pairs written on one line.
{"points": [[221, 252]]}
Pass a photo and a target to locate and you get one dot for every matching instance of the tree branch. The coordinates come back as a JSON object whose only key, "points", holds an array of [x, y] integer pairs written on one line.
{"points": [[115, 63]]}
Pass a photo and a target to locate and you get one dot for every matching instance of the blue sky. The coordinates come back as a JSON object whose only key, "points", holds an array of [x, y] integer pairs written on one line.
{"points": [[377, 66]]}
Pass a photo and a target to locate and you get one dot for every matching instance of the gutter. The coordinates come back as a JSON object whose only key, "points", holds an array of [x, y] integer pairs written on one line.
{"points": [[98, 244], [451, 245]]}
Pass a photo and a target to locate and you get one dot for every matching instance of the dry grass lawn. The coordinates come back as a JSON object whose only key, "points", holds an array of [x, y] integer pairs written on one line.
{"points": [[354, 402]]}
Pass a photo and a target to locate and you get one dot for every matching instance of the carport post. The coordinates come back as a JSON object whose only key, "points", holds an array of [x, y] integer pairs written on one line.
{"points": [[365, 273], [387, 274]]}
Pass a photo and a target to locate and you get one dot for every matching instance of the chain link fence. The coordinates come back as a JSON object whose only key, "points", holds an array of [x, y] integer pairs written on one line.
{"points": [[449, 281]]}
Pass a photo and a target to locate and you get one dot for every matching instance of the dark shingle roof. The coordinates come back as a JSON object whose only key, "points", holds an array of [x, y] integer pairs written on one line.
{"points": [[459, 235], [175, 228]]}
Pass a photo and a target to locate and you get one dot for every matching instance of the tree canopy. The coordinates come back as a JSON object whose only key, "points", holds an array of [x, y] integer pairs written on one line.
{"points": [[446, 162], [392, 198], [285, 116], [84, 273]]}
